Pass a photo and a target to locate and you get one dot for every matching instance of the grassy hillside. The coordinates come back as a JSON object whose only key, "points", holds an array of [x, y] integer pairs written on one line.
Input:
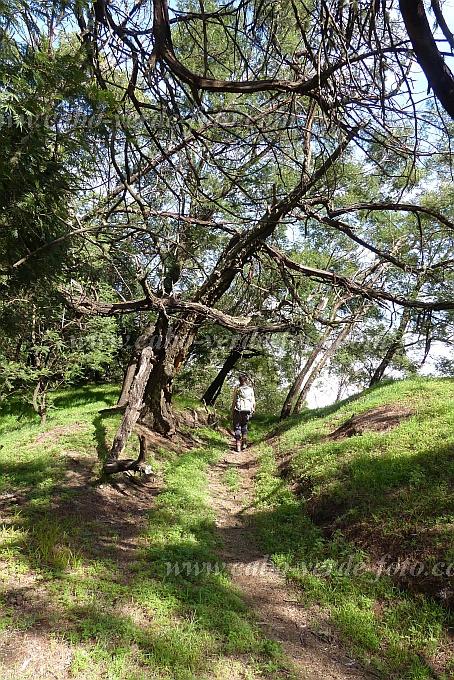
{"points": [[87, 577], [355, 502]]}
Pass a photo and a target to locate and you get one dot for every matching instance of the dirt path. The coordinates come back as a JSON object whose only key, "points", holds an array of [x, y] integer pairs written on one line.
{"points": [[304, 633], [115, 513]]}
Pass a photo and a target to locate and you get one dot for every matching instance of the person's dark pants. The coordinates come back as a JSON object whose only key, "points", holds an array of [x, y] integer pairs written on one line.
{"points": [[240, 421]]}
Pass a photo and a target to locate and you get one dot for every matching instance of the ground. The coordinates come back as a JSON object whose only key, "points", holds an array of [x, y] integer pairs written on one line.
{"points": [[116, 511], [118, 507], [305, 635]]}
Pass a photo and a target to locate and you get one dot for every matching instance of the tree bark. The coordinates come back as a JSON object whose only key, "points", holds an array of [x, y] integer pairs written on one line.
{"points": [[171, 345], [39, 402], [295, 388], [392, 349], [133, 409], [319, 367], [142, 341], [235, 354], [429, 57]]}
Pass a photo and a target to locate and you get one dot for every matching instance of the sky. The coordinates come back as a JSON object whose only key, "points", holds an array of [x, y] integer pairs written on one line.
{"points": [[324, 390]]}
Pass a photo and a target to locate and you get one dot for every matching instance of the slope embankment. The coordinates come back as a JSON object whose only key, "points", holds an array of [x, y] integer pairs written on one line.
{"points": [[323, 551]]}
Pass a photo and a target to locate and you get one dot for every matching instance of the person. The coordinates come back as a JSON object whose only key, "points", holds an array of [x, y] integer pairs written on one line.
{"points": [[243, 406]]}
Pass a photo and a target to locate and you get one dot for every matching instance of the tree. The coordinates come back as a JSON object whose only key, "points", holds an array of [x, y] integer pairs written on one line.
{"points": [[430, 58], [44, 346], [213, 169], [395, 345], [240, 351], [339, 104], [45, 157]]}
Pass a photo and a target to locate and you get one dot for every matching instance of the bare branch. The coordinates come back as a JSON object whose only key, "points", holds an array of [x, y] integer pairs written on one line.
{"points": [[438, 75], [402, 207], [352, 286], [86, 305], [441, 21]]}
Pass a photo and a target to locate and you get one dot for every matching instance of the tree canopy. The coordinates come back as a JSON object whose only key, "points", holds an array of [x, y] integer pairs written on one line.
{"points": [[267, 167]]}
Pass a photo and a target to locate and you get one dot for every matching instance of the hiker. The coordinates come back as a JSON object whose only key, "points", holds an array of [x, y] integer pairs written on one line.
{"points": [[243, 406]]}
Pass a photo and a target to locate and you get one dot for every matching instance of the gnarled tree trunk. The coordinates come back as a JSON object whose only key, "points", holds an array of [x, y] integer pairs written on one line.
{"points": [[143, 341], [170, 342], [150, 393], [171, 345], [133, 408]]}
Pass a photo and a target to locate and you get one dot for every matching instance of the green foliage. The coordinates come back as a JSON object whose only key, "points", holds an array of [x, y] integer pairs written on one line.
{"points": [[361, 524], [445, 367], [355, 361], [44, 347], [37, 87]]}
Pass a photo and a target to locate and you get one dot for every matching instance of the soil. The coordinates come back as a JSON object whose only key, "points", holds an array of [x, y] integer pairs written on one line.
{"points": [[306, 635], [332, 516], [379, 419], [116, 512]]}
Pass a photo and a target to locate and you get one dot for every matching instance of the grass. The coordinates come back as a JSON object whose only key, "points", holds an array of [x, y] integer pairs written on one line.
{"points": [[143, 598], [232, 479], [179, 553], [354, 523], [364, 524]]}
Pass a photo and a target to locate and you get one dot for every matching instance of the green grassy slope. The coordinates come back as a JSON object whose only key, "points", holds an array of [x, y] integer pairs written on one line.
{"points": [[108, 579], [362, 520], [361, 523]]}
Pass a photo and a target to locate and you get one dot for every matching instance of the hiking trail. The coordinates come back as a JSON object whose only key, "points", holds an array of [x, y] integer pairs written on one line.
{"points": [[305, 633]]}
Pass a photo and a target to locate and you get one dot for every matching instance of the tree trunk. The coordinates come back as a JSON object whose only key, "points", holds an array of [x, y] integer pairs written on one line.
{"points": [[147, 387], [429, 57], [144, 340], [150, 392], [319, 367], [133, 408], [39, 402], [343, 383], [392, 349], [170, 345], [295, 388], [214, 390]]}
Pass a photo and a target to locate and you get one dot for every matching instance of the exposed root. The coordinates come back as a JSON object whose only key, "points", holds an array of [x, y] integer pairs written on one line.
{"points": [[127, 464]]}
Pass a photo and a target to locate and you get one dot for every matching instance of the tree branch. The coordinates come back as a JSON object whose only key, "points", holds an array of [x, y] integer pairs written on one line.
{"points": [[164, 49], [402, 207], [353, 287], [86, 305], [442, 23], [438, 75]]}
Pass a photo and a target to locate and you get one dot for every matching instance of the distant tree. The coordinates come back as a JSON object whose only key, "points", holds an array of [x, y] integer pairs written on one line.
{"points": [[43, 347], [240, 351]]}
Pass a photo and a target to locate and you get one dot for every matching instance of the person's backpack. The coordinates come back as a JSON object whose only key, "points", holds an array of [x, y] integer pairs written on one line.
{"points": [[245, 399]]}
